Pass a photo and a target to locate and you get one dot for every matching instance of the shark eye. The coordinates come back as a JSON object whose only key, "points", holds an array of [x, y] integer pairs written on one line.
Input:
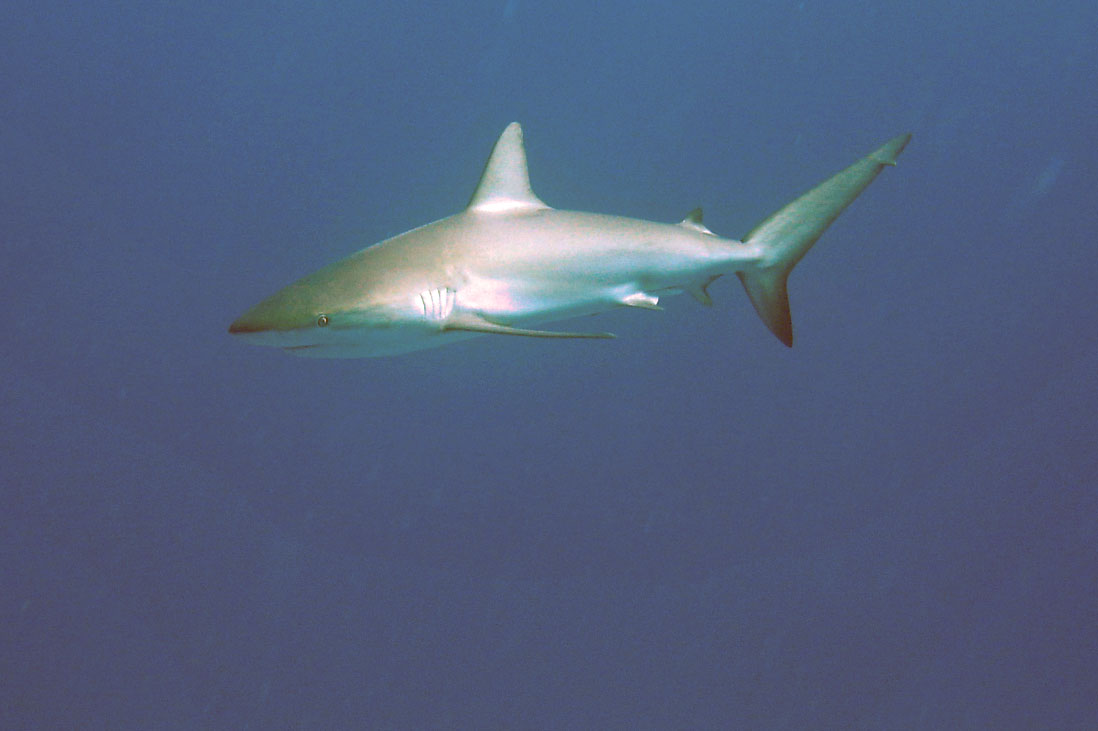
{"points": [[322, 321]]}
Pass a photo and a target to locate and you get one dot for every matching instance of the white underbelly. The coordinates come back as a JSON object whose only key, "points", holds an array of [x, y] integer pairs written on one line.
{"points": [[526, 302]]}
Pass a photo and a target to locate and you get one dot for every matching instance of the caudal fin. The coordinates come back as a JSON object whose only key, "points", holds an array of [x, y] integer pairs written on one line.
{"points": [[786, 236]]}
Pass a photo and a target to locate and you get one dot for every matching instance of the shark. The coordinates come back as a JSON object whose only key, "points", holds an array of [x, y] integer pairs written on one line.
{"points": [[508, 263]]}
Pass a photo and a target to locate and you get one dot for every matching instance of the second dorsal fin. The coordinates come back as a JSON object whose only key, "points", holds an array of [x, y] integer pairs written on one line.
{"points": [[505, 183], [694, 220]]}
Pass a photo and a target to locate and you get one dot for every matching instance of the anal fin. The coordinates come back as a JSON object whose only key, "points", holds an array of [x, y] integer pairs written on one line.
{"points": [[700, 291], [469, 322]]}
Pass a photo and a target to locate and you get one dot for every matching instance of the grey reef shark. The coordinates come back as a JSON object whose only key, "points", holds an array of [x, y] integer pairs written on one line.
{"points": [[509, 262]]}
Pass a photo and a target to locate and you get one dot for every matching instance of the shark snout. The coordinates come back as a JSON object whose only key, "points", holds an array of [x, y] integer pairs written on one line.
{"points": [[282, 322], [244, 326], [253, 330], [253, 324], [277, 314], [258, 327]]}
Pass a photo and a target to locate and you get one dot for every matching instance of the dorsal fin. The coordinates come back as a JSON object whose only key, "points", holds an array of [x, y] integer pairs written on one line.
{"points": [[505, 183], [694, 220]]}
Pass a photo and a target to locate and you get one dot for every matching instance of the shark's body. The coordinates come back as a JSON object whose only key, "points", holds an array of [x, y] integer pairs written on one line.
{"points": [[508, 261]]}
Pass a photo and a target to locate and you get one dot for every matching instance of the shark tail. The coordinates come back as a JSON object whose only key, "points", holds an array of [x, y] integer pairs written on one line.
{"points": [[786, 236]]}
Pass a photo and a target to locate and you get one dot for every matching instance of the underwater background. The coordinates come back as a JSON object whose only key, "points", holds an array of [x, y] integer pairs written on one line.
{"points": [[892, 525]]}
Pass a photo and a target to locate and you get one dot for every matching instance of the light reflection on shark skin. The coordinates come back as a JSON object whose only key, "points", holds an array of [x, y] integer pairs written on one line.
{"points": [[509, 261]]}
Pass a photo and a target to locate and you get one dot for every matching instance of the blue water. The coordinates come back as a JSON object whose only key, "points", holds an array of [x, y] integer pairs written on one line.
{"points": [[891, 525]]}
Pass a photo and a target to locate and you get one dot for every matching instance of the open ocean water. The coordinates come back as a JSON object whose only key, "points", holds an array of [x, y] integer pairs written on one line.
{"points": [[892, 525]]}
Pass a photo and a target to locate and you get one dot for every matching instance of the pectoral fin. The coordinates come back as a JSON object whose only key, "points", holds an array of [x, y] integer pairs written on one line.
{"points": [[469, 322]]}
